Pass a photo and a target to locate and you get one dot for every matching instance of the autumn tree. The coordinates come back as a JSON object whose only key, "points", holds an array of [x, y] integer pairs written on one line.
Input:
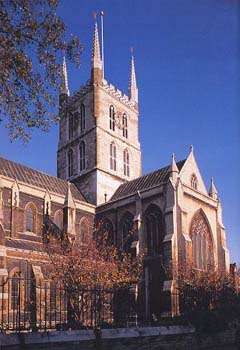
{"points": [[94, 264], [33, 39]]}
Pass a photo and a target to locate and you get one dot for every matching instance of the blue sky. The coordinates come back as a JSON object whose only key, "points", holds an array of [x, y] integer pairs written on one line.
{"points": [[187, 63]]}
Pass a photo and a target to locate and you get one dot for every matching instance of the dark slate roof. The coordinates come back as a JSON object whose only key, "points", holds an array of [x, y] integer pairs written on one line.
{"points": [[33, 177], [144, 182]]}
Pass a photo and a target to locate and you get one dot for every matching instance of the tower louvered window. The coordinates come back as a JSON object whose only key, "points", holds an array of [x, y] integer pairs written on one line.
{"points": [[125, 125], [82, 156], [70, 162], [112, 118], [82, 118], [126, 169], [71, 126], [113, 157]]}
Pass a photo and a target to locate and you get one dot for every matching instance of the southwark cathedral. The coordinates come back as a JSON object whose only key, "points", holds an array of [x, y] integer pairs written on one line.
{"points": [[99, 176]]}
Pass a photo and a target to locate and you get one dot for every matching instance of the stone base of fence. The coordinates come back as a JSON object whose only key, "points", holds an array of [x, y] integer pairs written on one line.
{"points": [[164, 338]]}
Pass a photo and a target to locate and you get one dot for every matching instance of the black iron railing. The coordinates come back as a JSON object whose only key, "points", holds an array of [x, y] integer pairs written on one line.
{"points": [[27, 304]]}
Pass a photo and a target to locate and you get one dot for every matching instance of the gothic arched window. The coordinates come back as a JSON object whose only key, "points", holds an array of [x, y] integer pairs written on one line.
{"points": [[126, 169], [30, 218], [58, 218], [111, 118], [82, 118], [126, 225], [82, 156], [125, 125], [70, 162], [71, 126], [153, 226], [17, 290], [113, 156], [194, 183], [202, 246], [105, 231]]}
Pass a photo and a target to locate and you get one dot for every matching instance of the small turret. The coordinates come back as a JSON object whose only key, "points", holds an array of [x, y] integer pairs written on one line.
{"points": [[212, 190], [69, 212], [133, 90], [174, 171]]}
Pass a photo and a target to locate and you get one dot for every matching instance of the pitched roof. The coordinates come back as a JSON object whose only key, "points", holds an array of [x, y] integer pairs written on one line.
{"points": [[145, 182], [33, 177]]}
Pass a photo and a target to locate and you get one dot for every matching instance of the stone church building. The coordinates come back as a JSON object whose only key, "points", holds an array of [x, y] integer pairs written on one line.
{"points": [[99, 175]]}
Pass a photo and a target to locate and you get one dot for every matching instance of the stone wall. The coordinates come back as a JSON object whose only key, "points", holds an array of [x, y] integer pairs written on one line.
{"points": [[164, 338]]}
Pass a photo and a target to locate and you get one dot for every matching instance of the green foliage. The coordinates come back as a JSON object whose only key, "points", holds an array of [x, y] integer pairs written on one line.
{"points": [[32, 40]]}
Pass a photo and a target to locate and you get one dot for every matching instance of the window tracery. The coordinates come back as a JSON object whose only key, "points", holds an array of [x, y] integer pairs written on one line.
{"points": [[153, 230], [202, 247], [30, 218]]}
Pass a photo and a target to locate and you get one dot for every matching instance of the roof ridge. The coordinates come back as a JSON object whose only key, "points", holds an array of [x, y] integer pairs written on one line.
{"points": [[143, 182], [30, 168], [21, 168]]}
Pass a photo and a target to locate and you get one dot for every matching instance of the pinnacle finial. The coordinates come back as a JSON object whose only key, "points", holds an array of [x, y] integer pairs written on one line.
{"points": [[133, 90], [174, 167], [212, 190], [64, 79], [69, 202], [191, 149], [96, 55]]}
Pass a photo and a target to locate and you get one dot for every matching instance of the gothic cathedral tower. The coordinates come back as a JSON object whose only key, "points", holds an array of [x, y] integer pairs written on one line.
{"points": [[98, 145]]}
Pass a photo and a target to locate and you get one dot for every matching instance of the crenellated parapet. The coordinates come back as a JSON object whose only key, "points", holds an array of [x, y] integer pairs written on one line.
{"points": [[118, 94]]}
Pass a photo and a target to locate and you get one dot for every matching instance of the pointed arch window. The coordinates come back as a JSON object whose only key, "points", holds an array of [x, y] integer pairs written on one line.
{"points": [[153, 227], [125, 125], [82, 118], [194, 182], [58, 218], [113, 157], [126, 225], [126, 168], [82, 156], [84, 232], [30, 218], [202, 246], [17, 290], [70, 163], [111, 118]]}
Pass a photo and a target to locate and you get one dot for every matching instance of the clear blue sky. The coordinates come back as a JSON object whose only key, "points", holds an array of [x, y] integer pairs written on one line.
{"points": [[187, 63]]}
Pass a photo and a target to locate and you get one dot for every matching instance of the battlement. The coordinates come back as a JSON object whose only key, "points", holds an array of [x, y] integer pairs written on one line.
{"points": [[118, 94]]}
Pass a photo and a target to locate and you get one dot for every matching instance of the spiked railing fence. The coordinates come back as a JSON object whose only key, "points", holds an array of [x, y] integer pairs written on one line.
{"points": [[26, 304]]}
